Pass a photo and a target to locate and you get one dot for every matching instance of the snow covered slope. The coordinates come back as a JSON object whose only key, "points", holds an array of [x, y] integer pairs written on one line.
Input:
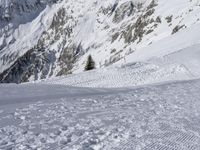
{"points": [[42, 39], [136, 45], [55, 117], [180, 65]]}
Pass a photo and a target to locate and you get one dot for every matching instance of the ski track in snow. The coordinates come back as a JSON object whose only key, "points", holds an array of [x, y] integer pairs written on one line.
{"points": [[180, 65], [155, 117], [133, 74]]}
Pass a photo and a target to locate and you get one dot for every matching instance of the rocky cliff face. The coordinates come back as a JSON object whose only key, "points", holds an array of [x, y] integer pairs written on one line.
{"points": [[44, 38], [9, 9]]}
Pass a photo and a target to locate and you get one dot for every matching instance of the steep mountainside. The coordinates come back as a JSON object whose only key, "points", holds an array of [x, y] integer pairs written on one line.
{"points": [[44, 38]]}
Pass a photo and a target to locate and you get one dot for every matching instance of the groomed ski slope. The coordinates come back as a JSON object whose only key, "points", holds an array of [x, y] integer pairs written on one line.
{"points": [[152, 117], [182, 64]]}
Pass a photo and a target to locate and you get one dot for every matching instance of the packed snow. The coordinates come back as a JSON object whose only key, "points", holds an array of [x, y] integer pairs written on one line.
{"points": [[180, 65], [152, 117]]}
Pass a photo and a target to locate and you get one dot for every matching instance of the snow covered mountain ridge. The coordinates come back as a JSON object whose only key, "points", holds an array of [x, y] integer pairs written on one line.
{"points": [[143, 94], [46, 38]]}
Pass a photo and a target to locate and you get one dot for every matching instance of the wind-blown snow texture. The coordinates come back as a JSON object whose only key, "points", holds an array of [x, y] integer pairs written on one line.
{"points": [[153, 117]]}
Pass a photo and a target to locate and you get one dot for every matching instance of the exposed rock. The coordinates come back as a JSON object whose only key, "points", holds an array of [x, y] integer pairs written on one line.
{"points": [[177, 28], [34, 62], [169, 19], [126, 9], [136, 31], [62, 32]]}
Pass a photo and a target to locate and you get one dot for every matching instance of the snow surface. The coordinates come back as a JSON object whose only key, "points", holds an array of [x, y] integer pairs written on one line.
{"points": [[180, 65], [54, 114], [163, 116], [123, 106]]}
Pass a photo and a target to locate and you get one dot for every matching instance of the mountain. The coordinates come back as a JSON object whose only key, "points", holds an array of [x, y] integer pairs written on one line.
{"points": [[40, 39], [100, 74]]}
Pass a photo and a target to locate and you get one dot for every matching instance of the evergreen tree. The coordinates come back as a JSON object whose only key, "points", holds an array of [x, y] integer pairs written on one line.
{"points": [[90, 64]]}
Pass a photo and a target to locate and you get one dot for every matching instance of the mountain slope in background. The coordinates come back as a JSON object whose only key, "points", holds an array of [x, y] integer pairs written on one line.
{"points": [[42, 39]]}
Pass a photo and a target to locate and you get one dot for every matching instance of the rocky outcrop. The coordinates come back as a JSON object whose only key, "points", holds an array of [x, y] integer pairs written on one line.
{"points": [[76, 29], [40, 61], [9, 9], [136, 31], [36, 64], [126, 9]]}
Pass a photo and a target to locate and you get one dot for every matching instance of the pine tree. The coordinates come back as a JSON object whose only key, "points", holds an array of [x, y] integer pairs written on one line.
{"points": [[90, 63]]}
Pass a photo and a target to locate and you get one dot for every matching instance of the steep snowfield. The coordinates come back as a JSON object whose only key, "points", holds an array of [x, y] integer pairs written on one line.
{"points": [[159, 42], [154, 117], [57, 36], [187, 39], [18, 39]]}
